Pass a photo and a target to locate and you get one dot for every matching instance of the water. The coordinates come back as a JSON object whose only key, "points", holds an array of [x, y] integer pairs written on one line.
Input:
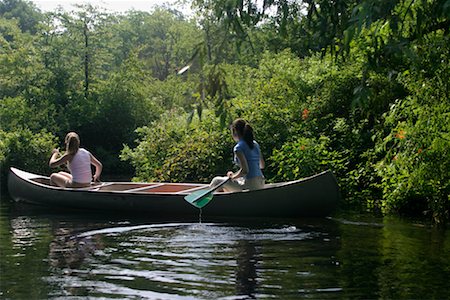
{"points": [[76, 255]]}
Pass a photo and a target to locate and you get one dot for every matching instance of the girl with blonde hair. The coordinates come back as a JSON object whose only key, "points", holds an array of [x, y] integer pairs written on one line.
{"points": [[78, 161]]}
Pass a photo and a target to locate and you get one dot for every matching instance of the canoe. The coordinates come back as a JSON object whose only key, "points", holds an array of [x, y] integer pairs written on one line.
{"points": [[317, 195]]}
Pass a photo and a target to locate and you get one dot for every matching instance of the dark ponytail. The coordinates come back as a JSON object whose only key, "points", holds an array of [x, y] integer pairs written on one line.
{"points": [[243, 129], [248, 135]]}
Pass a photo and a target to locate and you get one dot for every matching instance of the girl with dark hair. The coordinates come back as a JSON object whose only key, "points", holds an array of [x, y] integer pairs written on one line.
{"points": [[247, 155], [78, 160]]}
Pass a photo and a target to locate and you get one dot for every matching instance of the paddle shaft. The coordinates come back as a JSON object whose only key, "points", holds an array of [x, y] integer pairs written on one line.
{"points": [[211, 190]]}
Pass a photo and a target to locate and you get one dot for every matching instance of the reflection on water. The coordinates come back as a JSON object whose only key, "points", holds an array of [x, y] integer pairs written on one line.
{"points": [[68, 251], [23, 233], [72, 254], [246, 274]]}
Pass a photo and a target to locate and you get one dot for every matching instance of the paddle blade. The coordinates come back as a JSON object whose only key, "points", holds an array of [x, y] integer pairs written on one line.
{"points": [[199, 198]]}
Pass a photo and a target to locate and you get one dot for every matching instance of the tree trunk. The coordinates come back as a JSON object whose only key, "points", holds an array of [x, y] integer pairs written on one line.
{"points": [[86, 60]]}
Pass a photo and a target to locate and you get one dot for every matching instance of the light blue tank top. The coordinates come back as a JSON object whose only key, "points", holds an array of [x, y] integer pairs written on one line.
{"points": [[252, 156]]}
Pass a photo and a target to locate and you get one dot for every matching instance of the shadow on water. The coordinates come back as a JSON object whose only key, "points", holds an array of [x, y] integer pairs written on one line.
{"points": [[64, 254]]}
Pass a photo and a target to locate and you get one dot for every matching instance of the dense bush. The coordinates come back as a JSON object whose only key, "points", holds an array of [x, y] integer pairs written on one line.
{"points": [[416, 163], [25, 150], [18, 112], [172, 150], [304, 157]]}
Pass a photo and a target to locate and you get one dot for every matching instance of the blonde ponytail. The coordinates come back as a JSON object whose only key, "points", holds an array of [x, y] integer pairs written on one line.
{"points": [[72, 143]]}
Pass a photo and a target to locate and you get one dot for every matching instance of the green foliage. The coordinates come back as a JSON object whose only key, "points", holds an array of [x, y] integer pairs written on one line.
{"points": [[125, 102], [331, 26], [25, 12], [169, 150], [304, 157], [22, 71], [165, 39], [416, 161], [25, 150], [414, 171], [16, 113]]}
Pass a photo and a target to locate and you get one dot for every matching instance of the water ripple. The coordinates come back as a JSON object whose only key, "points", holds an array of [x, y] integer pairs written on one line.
{"points": [[184, 260]]}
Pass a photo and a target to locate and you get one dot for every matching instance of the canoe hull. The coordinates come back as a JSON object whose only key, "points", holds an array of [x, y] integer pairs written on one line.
{"points": [[314, 196]]}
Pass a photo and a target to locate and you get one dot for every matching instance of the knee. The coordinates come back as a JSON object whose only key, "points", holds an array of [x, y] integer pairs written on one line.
{"points": [[53, 177], [57, 179]]}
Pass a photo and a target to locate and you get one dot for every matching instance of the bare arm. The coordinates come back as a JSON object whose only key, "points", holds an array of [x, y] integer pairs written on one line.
{"points": [[262, 163], [98, 167], [56, 161], [244, 166]]}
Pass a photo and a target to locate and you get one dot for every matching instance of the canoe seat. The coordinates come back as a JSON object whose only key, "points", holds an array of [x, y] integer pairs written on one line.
{"points": [[192, 189], [144, 188], [122, 187], [172, 188], [99, 186]]}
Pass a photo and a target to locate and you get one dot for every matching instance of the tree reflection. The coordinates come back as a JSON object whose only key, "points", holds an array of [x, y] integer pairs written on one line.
{"points": [[394, 259], [23, 248], [416, 261], [23, 232], [246, 268]]}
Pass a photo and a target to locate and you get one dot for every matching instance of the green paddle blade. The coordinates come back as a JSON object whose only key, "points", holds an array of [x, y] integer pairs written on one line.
{"points": [[203, 201], [199, 198]]}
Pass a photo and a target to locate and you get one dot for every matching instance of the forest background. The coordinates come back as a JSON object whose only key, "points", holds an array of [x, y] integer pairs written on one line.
{"points": [[358, 87]]}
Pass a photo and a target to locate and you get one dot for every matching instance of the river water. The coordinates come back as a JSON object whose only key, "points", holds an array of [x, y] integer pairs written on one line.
{"points": [[76, 255]]}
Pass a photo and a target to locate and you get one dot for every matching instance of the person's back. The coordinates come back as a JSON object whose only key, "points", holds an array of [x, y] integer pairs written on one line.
{"points": [[253, 158], [247, 155], [79, 161], [80, 166]]}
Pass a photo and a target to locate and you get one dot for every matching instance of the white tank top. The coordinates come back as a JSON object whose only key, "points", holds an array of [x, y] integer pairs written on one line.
{"points": [[80, 166]]}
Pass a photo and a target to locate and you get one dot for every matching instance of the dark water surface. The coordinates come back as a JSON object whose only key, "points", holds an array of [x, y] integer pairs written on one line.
{"points": [[76, 255]]}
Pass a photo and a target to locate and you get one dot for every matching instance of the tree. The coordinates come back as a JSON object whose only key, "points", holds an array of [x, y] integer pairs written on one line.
{"points": [[331, 25], [25, 12]]}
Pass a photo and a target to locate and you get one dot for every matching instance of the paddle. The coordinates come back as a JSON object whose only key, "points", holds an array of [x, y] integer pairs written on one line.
{"points": [[202, 197]]}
